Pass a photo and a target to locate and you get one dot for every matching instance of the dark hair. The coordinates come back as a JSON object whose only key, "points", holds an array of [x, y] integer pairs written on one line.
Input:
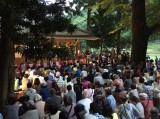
{"points": [[67, 100], [128, 76], [93, 108], [36, 81], [28, 106], [26, 76], [105, 75], [108, 92], [141, 80], [108, 111], [85, 78], [124, 98], [68, 79], [63, 114], [29, 85], [46, 78], [133, 86], [12, 100], [135, 99], [69, 87], [52, 91], [53, 108]]}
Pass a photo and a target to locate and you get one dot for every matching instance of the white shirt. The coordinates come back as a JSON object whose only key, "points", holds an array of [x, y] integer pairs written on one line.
{"points": [[84, 74], [90, 93], [31, 93], [60, 82], [41, 79], [86, 102], [99, 79]]}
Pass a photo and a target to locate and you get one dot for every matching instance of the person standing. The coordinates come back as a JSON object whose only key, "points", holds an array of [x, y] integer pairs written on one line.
{"points": [[71, 93], [156, 93], [39, 104], [85, 101], [147, 104], [127, 110], [134, 100]]}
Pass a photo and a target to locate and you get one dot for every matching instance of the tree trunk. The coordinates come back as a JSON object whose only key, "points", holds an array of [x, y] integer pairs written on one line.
{"points": [[4, 61], [139, 29], [11, 70]]}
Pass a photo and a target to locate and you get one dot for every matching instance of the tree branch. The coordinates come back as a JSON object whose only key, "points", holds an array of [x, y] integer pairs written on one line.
{"points": [[154, 29]]}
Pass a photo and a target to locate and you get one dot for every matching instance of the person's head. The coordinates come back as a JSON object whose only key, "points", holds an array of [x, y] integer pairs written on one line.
{"points": [[26, 75], [46, 72], [37, 98], [85, 79], [35, 73], [108, 111], [69, 87], [12, 100], [80, 111], [46, 78], [133, 86], [93, 108], [29, 85], [54, 84], [124, 99], [36, 81], [52, 91], [154, 113], [134, 100], [68, 79], [143, 96], [67, 100], [128, 76], [23, 99], [84, 94], [63, 114], [28, 106], [141, 80], [53, 108], [108, 92]]}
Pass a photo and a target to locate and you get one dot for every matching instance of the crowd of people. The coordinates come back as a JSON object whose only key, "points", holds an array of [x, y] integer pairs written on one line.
{"points": [[115, 90]]}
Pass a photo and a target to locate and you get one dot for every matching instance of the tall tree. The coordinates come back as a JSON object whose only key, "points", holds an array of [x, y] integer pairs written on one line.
{"points": [[141, 30], [145, 22], [19, 16]]}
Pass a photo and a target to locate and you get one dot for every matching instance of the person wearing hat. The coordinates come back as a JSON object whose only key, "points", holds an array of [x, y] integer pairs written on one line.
{"points": [[81, 113], [39, 104], [44, 91], [147, 104]]}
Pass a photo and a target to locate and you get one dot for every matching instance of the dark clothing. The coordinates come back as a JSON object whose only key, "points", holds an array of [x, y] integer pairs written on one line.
{"points": [[44, 92], [127, 84], [53, 99]]}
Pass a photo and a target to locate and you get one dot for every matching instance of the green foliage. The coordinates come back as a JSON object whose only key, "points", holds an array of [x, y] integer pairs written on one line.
{"points": [[100, 26], [32, 21], [152, 12]]}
